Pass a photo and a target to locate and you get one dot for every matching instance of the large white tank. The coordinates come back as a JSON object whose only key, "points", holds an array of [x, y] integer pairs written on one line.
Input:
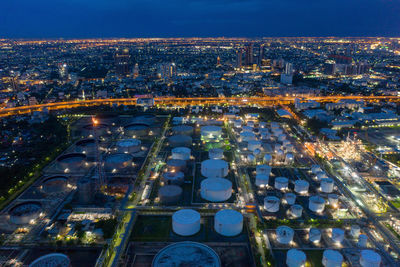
{"points": [[228, 222], [216, 189], [314, 235], [362, 241], [281, 183], [210, 132], [176, 165], [316, 204], [247, 136], [327, 185], [182, 130], [296, 211], [333, 200], [289, 158], [253, 145], [173, 177], [180, 140], [182, 153], [301, 186], [271, 204], [315, 169], [370, 258], [295, 258], [284, 235], [320, 175], [215, 153], [267, 158], [290, 198], [213, 168], [332, 258], [337, 235], [262, 180], [355, 230], [186, 222], [170, 194]]}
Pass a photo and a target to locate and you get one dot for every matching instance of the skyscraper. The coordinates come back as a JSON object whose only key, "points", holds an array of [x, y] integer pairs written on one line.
{"points": [[248, 60], [122, 63], [260, 54], [287, 75], [136, 71], [239, 58]]}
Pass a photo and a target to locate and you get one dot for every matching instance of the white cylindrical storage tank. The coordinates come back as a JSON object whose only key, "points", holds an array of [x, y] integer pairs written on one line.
{"points": [[296, 211], [337, 235], [327, 185], [250, 123], [173, 177], [210, 132], [216, 189], [182, 153], [314, 235], [290, 198], [176, 165], [279, 155], [316, 204], [262, 180], [315, 169], [251, 158], [214, 168], [263, 169], [284, 235], [271, 204], [237, 123], [180, 140], [301, 186], [355, 230], [228, 222], [333, 200], [170, 194], [215, 153], [247, 136], [289, 148], [289, 158], [370, 258], [267, 158], [253, 145], [332, 258], [320, 175], [362, 240], [186, 222], [248, 129], [182, 130], [295, 258], [281, 183]]}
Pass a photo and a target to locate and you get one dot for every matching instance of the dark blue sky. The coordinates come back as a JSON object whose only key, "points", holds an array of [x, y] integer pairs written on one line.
{"points": [[185, 18]]}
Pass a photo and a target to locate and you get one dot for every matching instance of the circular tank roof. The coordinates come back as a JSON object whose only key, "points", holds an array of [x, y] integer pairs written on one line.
{"points": [[186, 216], [55, 179], [186, 253], [229, 216], [370, 256], [170, 190], [216, 184], [25, 208], [215, 163], [136, 126], [53, 259], [118, 157], [86, 142], [71, 157], [97, 126], [333, 255], [129, 142]]}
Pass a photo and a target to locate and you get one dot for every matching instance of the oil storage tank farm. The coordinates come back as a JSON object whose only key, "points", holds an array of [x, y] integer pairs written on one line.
{"points": [[72, 161], [186, 222], [129, 145], [117, 161], [216, 189], [228, 222], [25, 212], [52, 259], [180, 141], [214, 168], [186, 253], [54, 184]]}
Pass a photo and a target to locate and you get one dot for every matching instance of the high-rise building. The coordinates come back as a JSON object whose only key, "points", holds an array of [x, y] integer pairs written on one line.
{"points": [[167, 71], [136, 71], [239, 58], [122, 62], [287, 75], [63, 70], [248, 59], [329, 67], [261, 55]]}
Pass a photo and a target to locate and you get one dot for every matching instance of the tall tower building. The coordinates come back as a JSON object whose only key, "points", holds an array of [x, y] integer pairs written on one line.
{"points": [[122, 63], [136, 71], [260, 54], [218, 61], [239, 58], [287, 75], [248, 60]]}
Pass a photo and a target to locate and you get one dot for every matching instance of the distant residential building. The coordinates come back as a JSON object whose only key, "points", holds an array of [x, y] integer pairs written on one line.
{"points": [[122, 62], [167, 71], [239, 59], [287, 75], [248, 59]]}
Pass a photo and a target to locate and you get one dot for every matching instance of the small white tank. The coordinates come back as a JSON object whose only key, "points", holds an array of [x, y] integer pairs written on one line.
{"points": [[370, 258], [315, 169], [263, 169], [262, 180], [289, 148], [290, 198], [301, 186], [237, 123], [257, 152], [355, 230], [215, 153], [267, 158], [228, 222], [250, 123], [316, 204], [253, 145], [186, 222], [271, 204], [295, 258], [277, 147], [289, 158], [337, 235], [284, 235], [248, 129], [262, 124], [247, 136], [251, 158], [182, 153], [333, 200], [296, 211], [327, 185], [362, 240], [281, 183], [320, 175], [314, 235], [332, 258]]}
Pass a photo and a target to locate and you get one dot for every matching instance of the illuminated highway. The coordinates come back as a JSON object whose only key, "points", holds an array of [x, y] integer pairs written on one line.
{"points": [[174, 101]]}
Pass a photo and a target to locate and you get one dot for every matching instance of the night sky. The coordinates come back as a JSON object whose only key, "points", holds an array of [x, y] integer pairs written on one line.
{"points": [[202, 18]]}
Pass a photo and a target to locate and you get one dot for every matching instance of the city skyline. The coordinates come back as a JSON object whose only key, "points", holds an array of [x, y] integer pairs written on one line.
{"points": [[201, 18]]}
